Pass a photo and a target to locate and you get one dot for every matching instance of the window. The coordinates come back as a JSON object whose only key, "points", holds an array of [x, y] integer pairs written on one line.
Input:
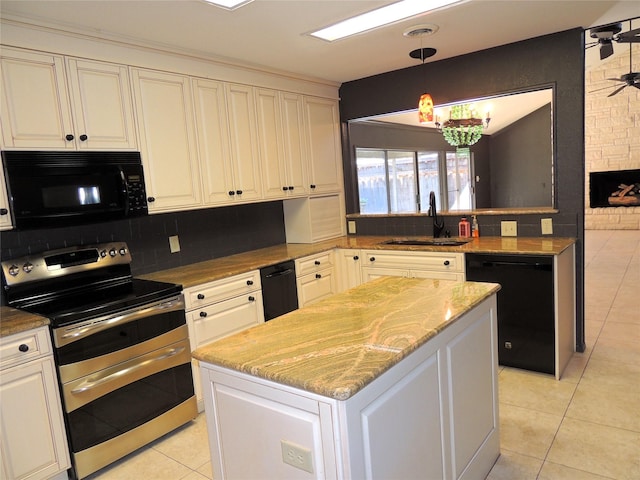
{"points": [[399, 181]]}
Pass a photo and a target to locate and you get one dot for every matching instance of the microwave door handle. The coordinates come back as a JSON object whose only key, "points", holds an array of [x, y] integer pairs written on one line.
{"points": [[125, 189]]}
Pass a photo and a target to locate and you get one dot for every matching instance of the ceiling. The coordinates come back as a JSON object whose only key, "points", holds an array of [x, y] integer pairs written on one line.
{"points": [[273, 33]]}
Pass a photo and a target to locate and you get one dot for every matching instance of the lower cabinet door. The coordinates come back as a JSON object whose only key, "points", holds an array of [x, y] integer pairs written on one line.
{"points": [[315, 287], [34, 444]]}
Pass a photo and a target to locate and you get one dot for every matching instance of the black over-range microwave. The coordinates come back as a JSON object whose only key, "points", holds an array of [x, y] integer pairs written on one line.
{"points": [[58, 189]]}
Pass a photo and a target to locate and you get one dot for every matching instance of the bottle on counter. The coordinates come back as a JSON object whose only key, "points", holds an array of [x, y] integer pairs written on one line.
{"points": [[475, 228], [464, 228]]}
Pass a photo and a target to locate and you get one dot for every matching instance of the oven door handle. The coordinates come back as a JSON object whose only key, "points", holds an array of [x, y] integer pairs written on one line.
{"points": [[94, 382], [73, 333]]}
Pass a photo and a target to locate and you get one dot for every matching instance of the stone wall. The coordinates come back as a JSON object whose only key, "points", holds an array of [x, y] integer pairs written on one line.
{"points": [[612, 134]]}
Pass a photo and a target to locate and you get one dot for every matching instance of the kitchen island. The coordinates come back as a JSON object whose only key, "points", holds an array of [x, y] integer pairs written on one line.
{"points": [[396, 378]]}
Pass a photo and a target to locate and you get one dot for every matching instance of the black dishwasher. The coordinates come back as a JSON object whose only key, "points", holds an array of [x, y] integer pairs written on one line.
{"points": [[279, 292], [526, 315]]}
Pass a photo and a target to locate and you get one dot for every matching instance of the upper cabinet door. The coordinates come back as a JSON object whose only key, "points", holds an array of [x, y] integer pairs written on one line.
{"points": [[274, 175], [324, 151], [244, 142], [295, 154], [167, 138], [35, 110], [101, 101]]}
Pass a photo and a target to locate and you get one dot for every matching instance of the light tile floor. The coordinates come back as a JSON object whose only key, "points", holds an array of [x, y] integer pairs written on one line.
{"points": [[584, 427]]}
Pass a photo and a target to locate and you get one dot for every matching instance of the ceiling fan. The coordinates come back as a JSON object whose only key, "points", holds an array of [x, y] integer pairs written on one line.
{"points": [[607, 34], [631, 79]]}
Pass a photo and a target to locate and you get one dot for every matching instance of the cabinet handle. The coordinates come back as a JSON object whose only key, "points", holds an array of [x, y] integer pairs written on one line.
{"points": [[3, 211], [251, 298], [372, 259], [231, 192], [446, 262], [285, 188], [313, 186], [239, 192], [151, 199], [318, 275], [290, 187], [23, 347], [249, 282], [201, 296], [203, 314], [69, 137], [356, 257], [317, 262], [83, 138]]}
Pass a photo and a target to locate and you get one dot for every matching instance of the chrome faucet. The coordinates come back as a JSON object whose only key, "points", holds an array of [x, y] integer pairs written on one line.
{"points": [[437, 226]]}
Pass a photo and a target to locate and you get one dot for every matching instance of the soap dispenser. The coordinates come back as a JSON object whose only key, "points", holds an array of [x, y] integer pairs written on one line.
{"points": [[464, 228], [475, 228]]}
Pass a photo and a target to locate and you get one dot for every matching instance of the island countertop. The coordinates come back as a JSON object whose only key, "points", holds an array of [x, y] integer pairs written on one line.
{"points": [[339, 345]]}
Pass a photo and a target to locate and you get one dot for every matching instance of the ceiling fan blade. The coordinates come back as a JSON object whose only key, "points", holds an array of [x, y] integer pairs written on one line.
{"points": [[632, 36], [616, 91], [614, 79], [637, 85], [606, 49]]}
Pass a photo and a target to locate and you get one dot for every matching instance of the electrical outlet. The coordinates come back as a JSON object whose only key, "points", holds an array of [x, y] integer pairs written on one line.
{"points": [[297, 456], [509, 229], [351, 226], [174, 244], [546, 225]]}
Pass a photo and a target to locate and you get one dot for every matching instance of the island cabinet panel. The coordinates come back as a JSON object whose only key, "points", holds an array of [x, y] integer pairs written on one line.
{"points": [[433, 415]]}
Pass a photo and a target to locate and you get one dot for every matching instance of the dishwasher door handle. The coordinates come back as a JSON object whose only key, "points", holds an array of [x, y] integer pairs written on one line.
{"points": [[280, 273]]}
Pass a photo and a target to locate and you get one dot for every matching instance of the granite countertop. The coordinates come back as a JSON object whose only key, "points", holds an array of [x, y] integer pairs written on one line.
{"points": [[339, 345], [14, 321], [216, 269]]}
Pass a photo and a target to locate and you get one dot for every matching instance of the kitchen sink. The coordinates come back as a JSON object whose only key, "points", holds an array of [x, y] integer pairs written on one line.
{"points": [[439, 242]]}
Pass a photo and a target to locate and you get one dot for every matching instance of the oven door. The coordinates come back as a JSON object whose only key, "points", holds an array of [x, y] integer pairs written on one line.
{"points": [[126, 379]]}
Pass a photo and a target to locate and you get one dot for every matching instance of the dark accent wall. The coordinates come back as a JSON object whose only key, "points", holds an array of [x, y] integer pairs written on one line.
{"points": [[521, 163], [204, 234], [552, 60]]}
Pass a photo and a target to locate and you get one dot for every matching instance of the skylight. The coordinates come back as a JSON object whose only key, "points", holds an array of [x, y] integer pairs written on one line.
{"points": [[229, 4], [379, 17]]}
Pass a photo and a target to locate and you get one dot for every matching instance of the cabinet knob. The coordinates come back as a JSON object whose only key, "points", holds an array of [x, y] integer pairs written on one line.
{"points": [[372, 259], [317, 262], [312, 186], [249, 282], [69, 137], [285, 188], [239, 192], [23, 347], [83, 138], [446, 262], [356, 257], [201, 296], [318, 275], [151, 199], [251, 298], [290, 187], [203, 314], [3, 211], [231, 192]]}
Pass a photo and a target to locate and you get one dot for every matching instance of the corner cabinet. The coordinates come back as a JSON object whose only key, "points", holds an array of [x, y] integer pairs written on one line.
{"points": [[220, 308], [432, 415], [34, 443], [63, 103], [436, 265], [167, 137]]}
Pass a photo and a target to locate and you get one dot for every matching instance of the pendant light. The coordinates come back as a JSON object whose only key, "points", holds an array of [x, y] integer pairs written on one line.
{"points": [[425, 103]]}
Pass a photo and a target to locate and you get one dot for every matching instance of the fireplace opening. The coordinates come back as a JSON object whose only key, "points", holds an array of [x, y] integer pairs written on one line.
{"points": [[618, 188]]}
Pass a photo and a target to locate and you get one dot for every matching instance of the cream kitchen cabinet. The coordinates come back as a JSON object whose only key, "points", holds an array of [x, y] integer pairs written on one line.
{"points": [[436, 265], [53, 102], [311, 219], [5, 214], [349, 267], [282, 147], [324, 152], [164, 110], [33, 439], [315, 277], [221, 308]]}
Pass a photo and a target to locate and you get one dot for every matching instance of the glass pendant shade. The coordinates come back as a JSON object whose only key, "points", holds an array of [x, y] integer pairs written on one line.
{"points": [[425, 108]]}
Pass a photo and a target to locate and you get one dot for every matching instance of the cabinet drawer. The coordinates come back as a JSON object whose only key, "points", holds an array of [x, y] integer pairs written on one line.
{"points": [[21, 347], [435, 261], [224, 318], [314, 263], [315, 286], [212, 292]]}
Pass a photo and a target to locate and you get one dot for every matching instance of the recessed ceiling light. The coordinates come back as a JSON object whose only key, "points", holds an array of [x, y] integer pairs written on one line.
{"points": [[229, 4], [379, 17]]}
